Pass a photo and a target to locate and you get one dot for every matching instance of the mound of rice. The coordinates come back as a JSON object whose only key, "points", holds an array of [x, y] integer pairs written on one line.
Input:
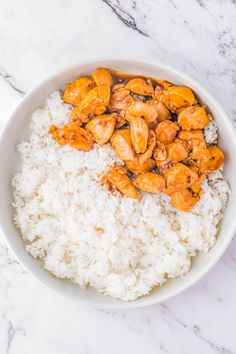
{"points": [[119, 246]]}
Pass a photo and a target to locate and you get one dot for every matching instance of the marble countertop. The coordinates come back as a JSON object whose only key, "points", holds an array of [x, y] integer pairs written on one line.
{"points": [[38, 38]]}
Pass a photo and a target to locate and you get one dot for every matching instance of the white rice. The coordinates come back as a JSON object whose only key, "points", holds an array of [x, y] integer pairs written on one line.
{"points": [[211, 133], [120, 246]]}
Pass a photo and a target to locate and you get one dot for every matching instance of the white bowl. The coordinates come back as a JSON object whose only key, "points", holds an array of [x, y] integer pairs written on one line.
{"points": [[17, 129]]}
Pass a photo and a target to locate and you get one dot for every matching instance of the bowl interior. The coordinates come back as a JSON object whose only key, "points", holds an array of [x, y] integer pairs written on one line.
{"points": [[17, 130]]}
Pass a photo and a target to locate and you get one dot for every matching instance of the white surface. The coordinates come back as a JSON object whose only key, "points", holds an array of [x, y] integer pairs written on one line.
{"points": [[198, 37]]}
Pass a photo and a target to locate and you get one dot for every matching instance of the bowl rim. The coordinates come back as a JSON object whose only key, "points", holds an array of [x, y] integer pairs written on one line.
{"points": [[112, 60]]}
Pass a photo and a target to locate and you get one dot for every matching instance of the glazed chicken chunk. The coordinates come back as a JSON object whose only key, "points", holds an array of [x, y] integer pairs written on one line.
{"points": [[102, 128], [72, 135], [150, 182], [179, 177], [117, 177]]}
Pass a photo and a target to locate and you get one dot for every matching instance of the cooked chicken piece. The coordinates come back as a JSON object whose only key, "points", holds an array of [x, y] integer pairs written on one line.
{"points": [[73, 135], [193, 117], [120, 98], [140, 86], [117, 176], [215, 161], [162, 112], [179, 177], [76, 91], [151, 144], [177, 97], [102, 127], [166, 131], [52, 129], [160, 153], [78, 116], [200, 153], [93, 104], [137, 168], [184, 143], [196, 187], [139, 134], [176, 152], [195, 143], [150, 182], [104, 93], [209, 158], [142, 110], [121, 142], [161, 87], [120, 121], [118, 87], [193, 138], [102, 77], [183, 200]]}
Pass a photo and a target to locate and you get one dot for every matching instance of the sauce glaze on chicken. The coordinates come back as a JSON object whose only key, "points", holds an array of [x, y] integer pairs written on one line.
{"points": [[155, 128]]}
